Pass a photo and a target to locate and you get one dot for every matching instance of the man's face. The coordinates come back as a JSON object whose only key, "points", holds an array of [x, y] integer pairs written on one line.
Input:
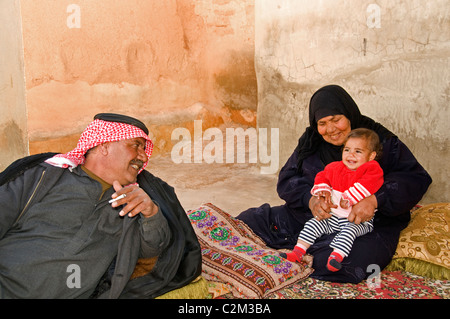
{"points": [[125, 159]]}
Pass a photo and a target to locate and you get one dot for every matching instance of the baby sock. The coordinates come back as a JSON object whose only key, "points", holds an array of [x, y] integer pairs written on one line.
{"points": [[334, 261], [296, 255]]}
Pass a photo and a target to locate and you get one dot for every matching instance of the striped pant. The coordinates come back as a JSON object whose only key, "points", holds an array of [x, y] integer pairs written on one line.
{"points": [[347, 232]]}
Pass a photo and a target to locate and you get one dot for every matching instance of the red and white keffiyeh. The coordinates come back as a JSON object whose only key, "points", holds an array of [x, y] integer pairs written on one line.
{"points": [[99, 132]]}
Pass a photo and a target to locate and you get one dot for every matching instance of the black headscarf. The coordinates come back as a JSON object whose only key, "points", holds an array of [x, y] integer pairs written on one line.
{"points": [[327, 101], [113, 117]]}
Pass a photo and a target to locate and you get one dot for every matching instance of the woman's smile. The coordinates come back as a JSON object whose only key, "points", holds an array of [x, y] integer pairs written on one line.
{"points": [[335, 137], [334, 129]]}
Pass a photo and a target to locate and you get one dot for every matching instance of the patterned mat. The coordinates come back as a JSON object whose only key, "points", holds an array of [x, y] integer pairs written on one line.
{"points": [[393, 285]]}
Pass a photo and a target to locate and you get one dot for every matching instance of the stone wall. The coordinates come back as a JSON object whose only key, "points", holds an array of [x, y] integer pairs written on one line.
{"points": [[13, 119], [167, 62], [175, 61], [391, 56]]}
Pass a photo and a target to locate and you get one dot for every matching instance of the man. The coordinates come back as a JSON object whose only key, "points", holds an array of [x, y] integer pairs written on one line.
{"points": [[75, 225]]}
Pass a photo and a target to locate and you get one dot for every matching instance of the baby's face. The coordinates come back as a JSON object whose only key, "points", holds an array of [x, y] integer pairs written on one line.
{"points": [[356, 152]]}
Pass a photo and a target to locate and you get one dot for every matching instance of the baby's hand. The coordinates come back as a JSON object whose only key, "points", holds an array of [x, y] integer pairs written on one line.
{"points": [[345, 203], [328, 199]]}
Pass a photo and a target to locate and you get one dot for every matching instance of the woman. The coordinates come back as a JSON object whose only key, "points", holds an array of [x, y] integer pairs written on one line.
{"points": [[332, 115]]}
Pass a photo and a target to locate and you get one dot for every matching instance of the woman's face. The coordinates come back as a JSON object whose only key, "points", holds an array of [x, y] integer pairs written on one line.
{"points": [[334, 129]]}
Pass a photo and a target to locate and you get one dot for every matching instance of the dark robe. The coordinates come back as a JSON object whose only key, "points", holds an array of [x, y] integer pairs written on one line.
{"points": [[406, 181], [175, 268]]}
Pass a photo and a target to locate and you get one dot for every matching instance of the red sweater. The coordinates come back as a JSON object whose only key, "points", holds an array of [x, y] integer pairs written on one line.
{"points": [[351, 185]]}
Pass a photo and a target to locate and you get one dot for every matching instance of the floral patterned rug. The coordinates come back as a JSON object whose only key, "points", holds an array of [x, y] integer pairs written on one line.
{"points": [[393, 285]]}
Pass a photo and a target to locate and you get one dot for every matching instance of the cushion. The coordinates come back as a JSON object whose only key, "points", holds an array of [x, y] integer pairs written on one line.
{"points": [[197, 289], [423, 247], [233, 254]]}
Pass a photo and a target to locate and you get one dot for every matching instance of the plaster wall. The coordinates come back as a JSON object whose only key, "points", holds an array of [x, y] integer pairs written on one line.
{"points": [[393, 57], [166, 62], [13, 119]]}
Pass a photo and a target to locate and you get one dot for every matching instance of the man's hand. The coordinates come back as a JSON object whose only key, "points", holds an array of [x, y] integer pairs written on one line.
{"points": [[136, 200], [364, 210]]}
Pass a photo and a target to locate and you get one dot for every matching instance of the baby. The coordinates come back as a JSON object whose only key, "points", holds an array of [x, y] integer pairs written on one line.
{"points": [[343, 184]]}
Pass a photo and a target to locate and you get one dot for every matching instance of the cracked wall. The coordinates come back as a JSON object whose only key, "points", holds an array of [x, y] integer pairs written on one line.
{"points": [[166, 62], [391, 56]]}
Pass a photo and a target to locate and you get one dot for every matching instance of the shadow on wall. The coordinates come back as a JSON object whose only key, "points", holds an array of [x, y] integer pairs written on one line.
{"points": [[11, 143]]}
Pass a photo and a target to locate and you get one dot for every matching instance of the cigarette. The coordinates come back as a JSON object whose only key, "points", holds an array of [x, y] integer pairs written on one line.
{"points": [[117, 198]]}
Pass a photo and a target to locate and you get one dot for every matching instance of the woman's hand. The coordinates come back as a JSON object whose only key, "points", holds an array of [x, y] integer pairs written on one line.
{"points": [[364, 210], [320, 207]]}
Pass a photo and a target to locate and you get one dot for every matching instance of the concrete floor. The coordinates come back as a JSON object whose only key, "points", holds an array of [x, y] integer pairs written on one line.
{"points": [[231, 187]]}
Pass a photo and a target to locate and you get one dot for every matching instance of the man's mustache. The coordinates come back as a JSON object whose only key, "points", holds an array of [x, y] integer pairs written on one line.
{"points": [[138, 163]]}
